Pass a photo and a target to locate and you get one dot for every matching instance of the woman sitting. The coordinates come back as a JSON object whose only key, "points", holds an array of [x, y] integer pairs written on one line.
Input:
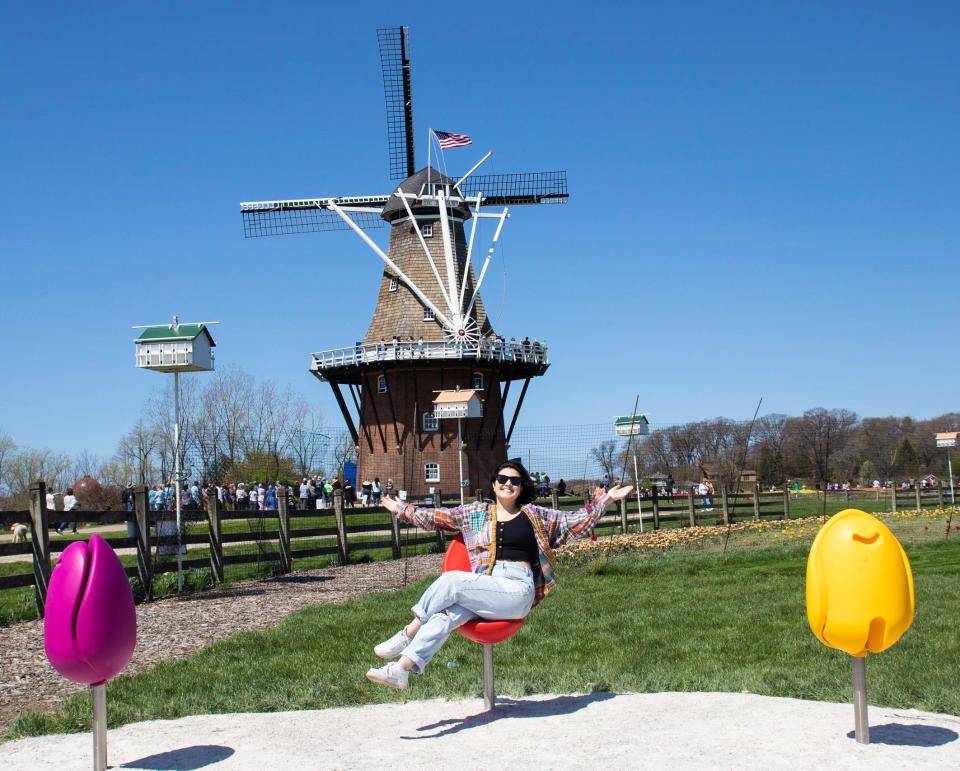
{"points": [[510, 544]]}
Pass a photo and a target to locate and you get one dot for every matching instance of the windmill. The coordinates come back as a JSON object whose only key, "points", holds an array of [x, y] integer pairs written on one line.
{"points": [[429, 330]]}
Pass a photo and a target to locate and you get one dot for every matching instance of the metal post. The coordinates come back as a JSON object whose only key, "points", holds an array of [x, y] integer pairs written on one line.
{"points": [[460, 455], [859, 664], [99, 694], [950, 472], [489, 697], [636, 478], [176, 473], [918, 494], [692, 507]]}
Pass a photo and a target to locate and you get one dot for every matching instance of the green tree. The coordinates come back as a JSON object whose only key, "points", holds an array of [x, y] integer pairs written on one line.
{"points": [[261, 466], [906, 462], [770, 467]]}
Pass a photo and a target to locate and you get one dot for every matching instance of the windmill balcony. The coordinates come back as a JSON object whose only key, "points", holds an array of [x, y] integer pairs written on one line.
{"points": [[526, 360]]}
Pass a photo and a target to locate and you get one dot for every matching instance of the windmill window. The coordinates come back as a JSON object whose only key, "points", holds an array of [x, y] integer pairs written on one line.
{"points": [[431, 472], [430, 422], [381, 384], [427, 231], [428, 314], [392, 286], [476, 382]]}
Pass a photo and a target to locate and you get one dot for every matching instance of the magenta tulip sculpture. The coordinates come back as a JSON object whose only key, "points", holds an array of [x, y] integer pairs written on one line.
{"points": [[90, 624]]}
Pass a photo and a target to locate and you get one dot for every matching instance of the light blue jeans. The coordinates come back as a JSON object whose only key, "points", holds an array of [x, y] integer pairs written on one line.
{"points": [[458, 596]]}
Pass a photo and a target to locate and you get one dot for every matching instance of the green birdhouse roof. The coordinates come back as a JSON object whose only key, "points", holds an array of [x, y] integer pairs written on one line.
{"points": [[166, 333]]}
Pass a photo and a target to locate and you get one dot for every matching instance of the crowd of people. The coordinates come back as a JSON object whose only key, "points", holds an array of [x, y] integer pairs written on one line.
{"points": [[493, 346]]}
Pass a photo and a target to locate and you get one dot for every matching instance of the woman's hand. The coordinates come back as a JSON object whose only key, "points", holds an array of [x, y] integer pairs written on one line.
{"points": [[617, 492], [393, 504]]}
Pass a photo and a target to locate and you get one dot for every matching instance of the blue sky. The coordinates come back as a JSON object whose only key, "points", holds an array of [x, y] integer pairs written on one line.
{"points": [[764, 197]]}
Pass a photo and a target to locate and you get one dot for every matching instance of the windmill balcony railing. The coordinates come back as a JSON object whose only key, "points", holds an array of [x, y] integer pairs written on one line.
{"points": [[439, 350]]}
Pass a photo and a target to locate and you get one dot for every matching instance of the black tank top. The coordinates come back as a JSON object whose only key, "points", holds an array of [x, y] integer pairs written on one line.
{"points": [[515, 540]]}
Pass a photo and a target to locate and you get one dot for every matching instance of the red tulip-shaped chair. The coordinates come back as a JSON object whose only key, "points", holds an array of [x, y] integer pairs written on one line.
{"points": [[487, 633]]}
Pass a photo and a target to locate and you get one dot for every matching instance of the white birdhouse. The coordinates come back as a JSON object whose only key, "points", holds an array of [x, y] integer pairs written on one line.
{"points": [[632, 425], [457, 404], [175, 348]]}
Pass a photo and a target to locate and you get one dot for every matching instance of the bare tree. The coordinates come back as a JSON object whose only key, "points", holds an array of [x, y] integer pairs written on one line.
{"points": [[135, 453], [344, 451], [7, 448], [606, 456], [820, 435], [29, 465], [86, 464]]}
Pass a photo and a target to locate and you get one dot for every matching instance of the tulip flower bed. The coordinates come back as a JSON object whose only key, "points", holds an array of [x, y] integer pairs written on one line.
{"points": [[908, 526]]}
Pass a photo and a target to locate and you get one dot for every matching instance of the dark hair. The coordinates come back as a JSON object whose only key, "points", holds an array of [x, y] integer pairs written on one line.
{"points": [[527, 489]]}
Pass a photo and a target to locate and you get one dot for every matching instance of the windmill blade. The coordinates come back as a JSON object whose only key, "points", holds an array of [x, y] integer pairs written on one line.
{"points": [[394, 45], [310, 215], [518, 189]]}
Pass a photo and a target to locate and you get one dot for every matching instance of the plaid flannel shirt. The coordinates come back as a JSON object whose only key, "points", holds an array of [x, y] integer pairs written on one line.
{"points": [[478, 523]]}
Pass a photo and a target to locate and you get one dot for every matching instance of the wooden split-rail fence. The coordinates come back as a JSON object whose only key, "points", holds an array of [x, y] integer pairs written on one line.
{"points": [[341, 533]]}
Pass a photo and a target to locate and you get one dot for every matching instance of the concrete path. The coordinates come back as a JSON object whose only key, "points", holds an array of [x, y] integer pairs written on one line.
{"points": [[602, 730]]}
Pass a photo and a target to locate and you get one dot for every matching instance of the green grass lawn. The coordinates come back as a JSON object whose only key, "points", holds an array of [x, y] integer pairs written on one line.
{"points": [[695, 619]]}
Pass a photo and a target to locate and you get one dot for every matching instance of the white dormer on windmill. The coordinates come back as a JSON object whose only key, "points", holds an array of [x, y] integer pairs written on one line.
{"points": [[458, 404]]}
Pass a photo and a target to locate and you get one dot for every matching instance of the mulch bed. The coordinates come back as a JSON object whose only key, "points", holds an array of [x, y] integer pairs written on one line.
{"points": [[175, 627]]}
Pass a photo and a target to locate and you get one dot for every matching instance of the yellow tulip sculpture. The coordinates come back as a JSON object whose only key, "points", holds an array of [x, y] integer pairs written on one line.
{"points": [[859, 594]]}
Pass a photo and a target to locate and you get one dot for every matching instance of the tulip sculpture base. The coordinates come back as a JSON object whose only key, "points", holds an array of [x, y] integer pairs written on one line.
{"points": [[859, 595], [90, 625], [861, 723], [99, 693]]}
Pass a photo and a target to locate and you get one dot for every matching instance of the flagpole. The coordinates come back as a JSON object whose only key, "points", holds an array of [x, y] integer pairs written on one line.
{"points": [[429, 148]]}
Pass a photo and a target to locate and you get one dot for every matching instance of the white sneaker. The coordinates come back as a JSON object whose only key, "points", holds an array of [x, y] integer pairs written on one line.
{"points": [[390, 649], [391, 674]]}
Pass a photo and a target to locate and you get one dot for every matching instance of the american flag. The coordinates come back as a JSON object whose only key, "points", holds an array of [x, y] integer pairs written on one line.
{"points": [[448, 139]]}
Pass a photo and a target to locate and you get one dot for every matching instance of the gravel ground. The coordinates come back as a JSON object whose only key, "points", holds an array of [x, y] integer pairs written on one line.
{"points": [[602, 730], [176, 627]]}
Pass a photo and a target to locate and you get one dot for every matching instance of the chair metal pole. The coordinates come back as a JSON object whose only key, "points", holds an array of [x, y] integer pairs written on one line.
{"points": [[99, 693], [489, 697], [860, 699]]}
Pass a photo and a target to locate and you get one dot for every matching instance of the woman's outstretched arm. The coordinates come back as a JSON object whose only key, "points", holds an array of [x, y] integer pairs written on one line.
{"points": [[425, 518], [564, 525]]}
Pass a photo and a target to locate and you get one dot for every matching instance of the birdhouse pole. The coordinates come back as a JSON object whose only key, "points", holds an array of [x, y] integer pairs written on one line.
{"points": [[176, 347], [948, 439], [176, 475]]}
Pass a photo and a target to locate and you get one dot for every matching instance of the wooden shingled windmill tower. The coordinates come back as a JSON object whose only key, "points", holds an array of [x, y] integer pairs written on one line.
{"points": [[430, 332]]}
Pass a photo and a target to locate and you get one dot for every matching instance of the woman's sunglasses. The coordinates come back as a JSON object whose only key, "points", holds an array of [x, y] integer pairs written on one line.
{"points": [[504, 480]]}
